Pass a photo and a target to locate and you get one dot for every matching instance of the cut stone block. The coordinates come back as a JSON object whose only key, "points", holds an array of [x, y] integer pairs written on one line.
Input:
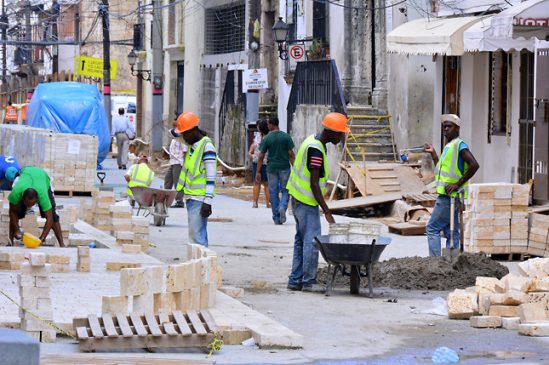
{"points": [[539, 297], [114, 304], [205, 270], [534, 329], [58, 259], [34, 325], [5, 265], [204, 296], [486, 284], [531, 312], [117, 266], [83, 251], [43, 281], [154, 275], [513, 282], [485, 322], [504, 311], [540, 284], [484, 303], [48, 336], [124, 235], [60, 268], [195, 299], [34, 292], [164, 301], [83, 264], [179, 277], [143, 304], [132, 282], [510, 323], [183, 300], [131, 248], [37, 258], [26, 280], [462, 304], [27, 269]]}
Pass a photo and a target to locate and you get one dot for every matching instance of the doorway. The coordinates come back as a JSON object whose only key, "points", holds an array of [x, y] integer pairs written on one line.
{"points": [[180, 88]]}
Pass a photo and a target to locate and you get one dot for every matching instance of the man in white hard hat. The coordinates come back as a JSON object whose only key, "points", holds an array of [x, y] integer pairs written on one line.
{"points": [[454, 169]]}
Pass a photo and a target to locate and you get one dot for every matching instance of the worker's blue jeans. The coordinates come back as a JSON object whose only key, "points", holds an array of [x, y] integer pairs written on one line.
{"points": [[198, 226], [305, 260], [440, 222], [277, 183]]}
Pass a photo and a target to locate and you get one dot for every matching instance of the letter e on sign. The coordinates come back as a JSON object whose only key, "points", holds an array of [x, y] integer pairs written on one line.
{"points": [[297, 52]]}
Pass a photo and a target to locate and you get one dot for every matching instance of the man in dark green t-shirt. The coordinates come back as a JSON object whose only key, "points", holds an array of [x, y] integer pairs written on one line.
{"points": [[279, 146], [33, 186]]}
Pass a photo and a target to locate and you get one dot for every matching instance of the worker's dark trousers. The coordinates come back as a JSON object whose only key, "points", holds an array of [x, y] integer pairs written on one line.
{"points": [[440, 222], [171, 179]]}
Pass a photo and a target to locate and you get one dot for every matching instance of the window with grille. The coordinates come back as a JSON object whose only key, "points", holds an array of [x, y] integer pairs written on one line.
{"points": [[225, 28], [500, 93]]}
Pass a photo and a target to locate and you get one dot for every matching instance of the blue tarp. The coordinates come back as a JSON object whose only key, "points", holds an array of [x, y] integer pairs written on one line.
{"points": [[71, 107]]}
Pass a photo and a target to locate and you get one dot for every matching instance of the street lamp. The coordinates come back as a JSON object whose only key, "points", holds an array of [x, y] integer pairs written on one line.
{"points": [[280, 30], [145, 75]]}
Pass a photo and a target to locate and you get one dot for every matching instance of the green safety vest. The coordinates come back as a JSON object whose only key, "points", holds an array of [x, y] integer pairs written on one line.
{"points": [[141, 175], [192, 179], [299, 184], [447, 171]]}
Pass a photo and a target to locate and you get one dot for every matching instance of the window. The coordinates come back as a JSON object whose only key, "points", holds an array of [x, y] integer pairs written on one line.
{"points": [[499, 93], [225, 26], [321, 20]]}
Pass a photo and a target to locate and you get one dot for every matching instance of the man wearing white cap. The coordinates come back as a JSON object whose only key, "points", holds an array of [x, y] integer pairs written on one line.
{"points": [[454, 169]]}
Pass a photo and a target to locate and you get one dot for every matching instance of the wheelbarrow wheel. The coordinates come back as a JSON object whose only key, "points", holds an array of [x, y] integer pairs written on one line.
{"points": [[159, 214], [355, 279]]}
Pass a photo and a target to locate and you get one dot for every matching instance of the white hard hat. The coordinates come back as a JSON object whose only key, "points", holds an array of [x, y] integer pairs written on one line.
{"points": [[450, 118]]}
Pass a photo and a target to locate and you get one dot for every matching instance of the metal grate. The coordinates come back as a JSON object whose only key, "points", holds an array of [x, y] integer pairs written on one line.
{"points": [[225, 28]]}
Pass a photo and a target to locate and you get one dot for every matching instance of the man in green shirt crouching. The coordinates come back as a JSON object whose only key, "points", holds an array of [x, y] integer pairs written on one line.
{"points": [[33, 186]]}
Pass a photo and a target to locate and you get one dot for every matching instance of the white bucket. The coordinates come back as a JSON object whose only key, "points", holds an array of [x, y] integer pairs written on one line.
{"points": [[363, 233], [338, 232]]}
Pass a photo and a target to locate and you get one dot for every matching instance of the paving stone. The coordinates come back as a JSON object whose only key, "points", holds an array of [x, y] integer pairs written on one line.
{"points": [[531, 312], [534, 329], [462, 304], [485, 321], [510, 323], [59, 259]]}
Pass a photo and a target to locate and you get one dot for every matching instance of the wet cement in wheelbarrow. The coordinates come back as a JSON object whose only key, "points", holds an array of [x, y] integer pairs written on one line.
{"points": [[426, 273]]}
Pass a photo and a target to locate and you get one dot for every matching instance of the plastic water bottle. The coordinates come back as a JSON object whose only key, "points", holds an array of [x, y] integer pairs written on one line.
{"points": [[92, 245], [444, 355]]}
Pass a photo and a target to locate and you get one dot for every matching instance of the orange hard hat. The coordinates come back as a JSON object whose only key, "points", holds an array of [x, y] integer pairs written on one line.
{"points": [[336, 122], [186, 121]]}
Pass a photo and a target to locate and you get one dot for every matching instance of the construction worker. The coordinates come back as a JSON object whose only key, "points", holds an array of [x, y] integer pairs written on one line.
{"points": [[306, 186], [456, 167], [176, 151], [9, 168], [139, 174], [11, 114], [33, 186], [197, 178]]}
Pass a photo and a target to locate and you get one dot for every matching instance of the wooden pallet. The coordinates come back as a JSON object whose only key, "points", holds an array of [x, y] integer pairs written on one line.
{"points": [[407, 229], [191, 329], [512, 256], [426, 200]]}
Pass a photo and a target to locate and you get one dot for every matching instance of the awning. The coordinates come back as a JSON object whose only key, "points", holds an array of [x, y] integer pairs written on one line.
{"points": [[514, 28], [442, 36]]}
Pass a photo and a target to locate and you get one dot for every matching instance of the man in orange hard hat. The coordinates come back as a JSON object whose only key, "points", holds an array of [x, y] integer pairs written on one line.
{"points": [[197, 177], [307, 185]]}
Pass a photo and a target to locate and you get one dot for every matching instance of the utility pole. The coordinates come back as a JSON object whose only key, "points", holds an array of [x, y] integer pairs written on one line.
{"points": [[28, 35], [55, 36], [139, 91], [157, 79], [104, 10], [4, 25]]}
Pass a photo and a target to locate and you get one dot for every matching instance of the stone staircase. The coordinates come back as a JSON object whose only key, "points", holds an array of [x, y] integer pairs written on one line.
{"points": [[377, 146]]}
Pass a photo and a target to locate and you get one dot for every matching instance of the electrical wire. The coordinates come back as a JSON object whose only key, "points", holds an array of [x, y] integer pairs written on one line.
{"points": [[335, 3]]}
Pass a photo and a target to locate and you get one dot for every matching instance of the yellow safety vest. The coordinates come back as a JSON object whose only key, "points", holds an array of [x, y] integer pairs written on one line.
{"points": [[141, 175], [447, 171], [299, 184], [192, 179]]}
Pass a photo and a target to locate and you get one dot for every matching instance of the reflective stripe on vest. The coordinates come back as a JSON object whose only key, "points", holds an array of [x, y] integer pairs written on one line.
{"points": [[192, 179], [141, 175], [447, 170], [299, 184], [11, 113]]}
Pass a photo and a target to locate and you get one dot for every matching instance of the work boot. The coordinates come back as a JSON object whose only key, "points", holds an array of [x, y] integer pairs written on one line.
{"points": [[313, 288], [282, 213], [293, 287]]}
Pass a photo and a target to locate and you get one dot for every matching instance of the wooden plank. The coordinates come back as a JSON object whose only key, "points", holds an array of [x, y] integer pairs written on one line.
{"points": [[138, 325], [124, 325], [164, 320], [109, 325], [197, 323], [111, 359], [364, 201], [149, 342], [153, 324], [82, 333], [95, 327], [210, 322], [184, 328]]}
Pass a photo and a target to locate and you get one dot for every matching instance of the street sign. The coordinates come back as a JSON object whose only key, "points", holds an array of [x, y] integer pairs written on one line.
{"points": [[297, 52], [254, 79], [93, 67]]}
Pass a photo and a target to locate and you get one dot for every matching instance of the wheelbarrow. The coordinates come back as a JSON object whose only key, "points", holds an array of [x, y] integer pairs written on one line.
{"points": [[340, 255], [154, 201]]}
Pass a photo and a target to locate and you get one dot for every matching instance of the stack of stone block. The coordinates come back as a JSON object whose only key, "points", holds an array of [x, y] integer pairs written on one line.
{"points": [[4, 220], [59, 263], [140, 229], [121, 217], [496, 218], [11, 260], [538, 243], [67, 217], [34, 290], [80, 239], [124, 238], [83, 262], [191, 285], [519, 302], [102, 200]]}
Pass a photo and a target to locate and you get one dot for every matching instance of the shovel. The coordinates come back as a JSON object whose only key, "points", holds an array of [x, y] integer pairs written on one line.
{"points": [[452, 217]]}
